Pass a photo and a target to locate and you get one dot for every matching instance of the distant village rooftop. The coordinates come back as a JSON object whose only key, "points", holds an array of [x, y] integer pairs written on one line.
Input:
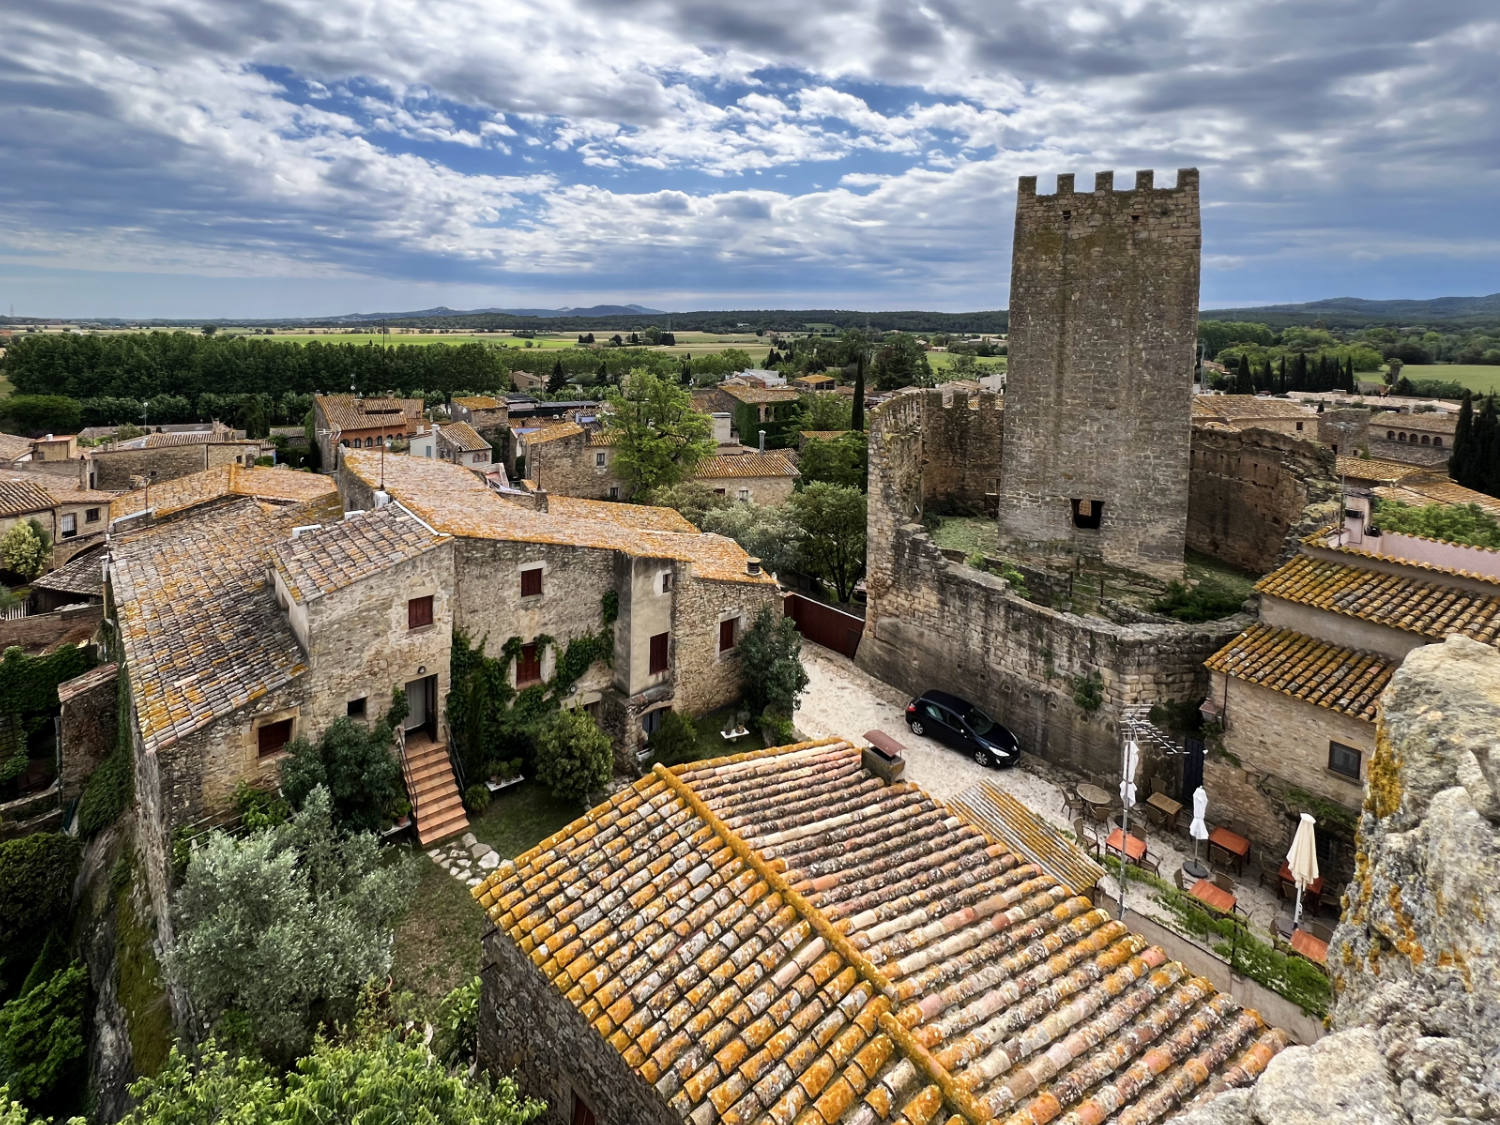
{"points": [[286, 486], [1328, 675], [773, 464]]}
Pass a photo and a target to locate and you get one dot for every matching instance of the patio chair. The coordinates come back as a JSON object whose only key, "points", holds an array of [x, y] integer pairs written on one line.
{"points": [[1152, 863], [1087, 838], [1073, 804], [1320, 930], [1223, 881], [1177, 877]]}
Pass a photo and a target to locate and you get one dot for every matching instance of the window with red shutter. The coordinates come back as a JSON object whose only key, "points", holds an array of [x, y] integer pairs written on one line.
{"points": [[582, 1114], [419, 612], [273, 737], [659, 653], [529, 666], [531, 583], [726, 634]]}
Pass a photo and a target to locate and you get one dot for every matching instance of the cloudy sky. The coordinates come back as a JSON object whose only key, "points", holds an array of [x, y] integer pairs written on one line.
{"points": [[306, 157]]}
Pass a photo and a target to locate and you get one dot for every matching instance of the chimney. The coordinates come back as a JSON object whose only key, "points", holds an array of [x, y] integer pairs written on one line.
{"points": [[763, 441], [722, 424], [382, 499], [882, 758], [752, 565]]}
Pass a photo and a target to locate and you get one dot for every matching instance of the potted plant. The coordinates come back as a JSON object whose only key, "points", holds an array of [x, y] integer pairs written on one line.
{"points": [[506, 774], [397, 818]]}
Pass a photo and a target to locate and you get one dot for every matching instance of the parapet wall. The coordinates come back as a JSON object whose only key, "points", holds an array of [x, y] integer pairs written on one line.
{"points": [[1254, 494], [962, 445]]}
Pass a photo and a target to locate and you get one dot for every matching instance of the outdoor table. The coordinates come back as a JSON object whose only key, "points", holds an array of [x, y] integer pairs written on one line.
{"points": [[1135, 847], [1314, 949], [1231, 844], [1167, 808], [1095, 797], [1315, 888], [1214, 897]]}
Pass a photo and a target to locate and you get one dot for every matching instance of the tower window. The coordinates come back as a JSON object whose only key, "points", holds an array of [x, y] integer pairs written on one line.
{"points": [[1088, 514]]}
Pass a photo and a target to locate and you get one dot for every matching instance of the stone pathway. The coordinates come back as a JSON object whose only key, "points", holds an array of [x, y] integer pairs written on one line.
{"points": [[466, 859]]}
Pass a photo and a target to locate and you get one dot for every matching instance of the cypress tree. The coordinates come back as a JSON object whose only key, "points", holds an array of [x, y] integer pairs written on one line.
{"points": [[1244, 384], [1281, 376], [1486, 472], [1461, 458], [857, 411], [1349, 384]]}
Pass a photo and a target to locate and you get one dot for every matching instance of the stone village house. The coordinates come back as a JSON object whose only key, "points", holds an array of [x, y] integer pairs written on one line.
{"points": [[347, 422], [781, 936], [1297, 693]]}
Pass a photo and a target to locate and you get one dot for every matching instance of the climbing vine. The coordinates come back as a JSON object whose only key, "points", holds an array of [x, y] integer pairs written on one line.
{"points": [[28, 698], [489, 718]]}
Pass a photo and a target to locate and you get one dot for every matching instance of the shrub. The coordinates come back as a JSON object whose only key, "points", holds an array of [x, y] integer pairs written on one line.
{"points": [[278, 931], [260, 808], [36, 884], [41, 1039], [356, 765], [1469, 523], [771, 672], [676, 739], [573, 756], [1204, 602], [477, 798], [22, 550], [106, 793]]}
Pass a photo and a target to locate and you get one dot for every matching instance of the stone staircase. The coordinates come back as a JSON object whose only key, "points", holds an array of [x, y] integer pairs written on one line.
{"points": [[437, 806]]}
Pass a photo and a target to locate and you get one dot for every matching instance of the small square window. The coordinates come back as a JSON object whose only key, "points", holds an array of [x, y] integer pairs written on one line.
{"points": [[614, 492], [91, 515], [744, 496], [1088, 514], [419, 612], [531, 582], [271, 738], [70, 525], [1344, 760], [666, 582], [529, 666], [1299, 427], [582, 1114], [355, 708], [727, 630], [659, 648], [599, 460]]}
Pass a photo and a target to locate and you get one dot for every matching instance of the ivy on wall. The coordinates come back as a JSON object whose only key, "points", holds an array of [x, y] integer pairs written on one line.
{"points": [[489, 719], [28, 697]]}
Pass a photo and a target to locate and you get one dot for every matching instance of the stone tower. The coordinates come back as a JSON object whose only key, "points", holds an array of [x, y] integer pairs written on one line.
{"points": [[1103, 333]]}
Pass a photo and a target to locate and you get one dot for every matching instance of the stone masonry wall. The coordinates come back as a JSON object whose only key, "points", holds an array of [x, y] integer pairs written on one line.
{"points": [[566, 467], [962, 440], [88, 725], [1408, 452], [1103, 328], [114, 468], [1345, 430], [1254, 494], [527, 1028], [1416, 958], [707, 679]]}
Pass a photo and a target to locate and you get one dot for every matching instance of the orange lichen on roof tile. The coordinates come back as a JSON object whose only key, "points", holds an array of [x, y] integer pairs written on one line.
{"points": [[643, 516], [454, 501], [1375, 469], [199, 623], [774, 464], [480, 402], [1314, 671], [835, 949], [346, 412], [1397, 601], [755, 396], [1422, 488], [279, 485], [17, 497], [821, 435], [601, 438], [320, 561], [463, 437], [553, 433], [1246, 410]]}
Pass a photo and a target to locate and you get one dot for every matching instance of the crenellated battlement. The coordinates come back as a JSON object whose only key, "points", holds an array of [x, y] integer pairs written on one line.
{"points": [[1104, 183]]}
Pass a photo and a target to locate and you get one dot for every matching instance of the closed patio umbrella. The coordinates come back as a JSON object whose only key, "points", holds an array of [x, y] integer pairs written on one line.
{"points": [[1198, 830], [1303, 861], [1127, 779]]}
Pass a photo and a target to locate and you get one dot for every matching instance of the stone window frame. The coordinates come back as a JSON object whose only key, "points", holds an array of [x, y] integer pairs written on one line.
{"points": [[413, 615], [357, 708], [1437, 442], [539, 664], [271, 719], [667, 579], [736, 618], [743, 495], [600, 459], [91, 515], [67, 525], [1334, 746], [1093, 520]]}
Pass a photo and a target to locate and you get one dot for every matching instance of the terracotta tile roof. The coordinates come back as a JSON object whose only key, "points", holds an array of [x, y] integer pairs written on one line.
{"points": [[601, 437], [625, 515], [13, 448], [1329, 675], [1325, 539], [199, 623], [1375, 469], [745, 465], [480, 402], [777, 937], [821, 435], [82, 574], [1421, 488], [553, 432], [464, 437], [1248, 408], [453, 500], [18, 497], [1431, 421], [282, 485], [196, 437], [1394, 600], [756, 395], [813, 379], [1002, 817], [345, 412], [355, 548]]}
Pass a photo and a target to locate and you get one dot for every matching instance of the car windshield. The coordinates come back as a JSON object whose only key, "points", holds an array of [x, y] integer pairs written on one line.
{"points": [[978, 721]]}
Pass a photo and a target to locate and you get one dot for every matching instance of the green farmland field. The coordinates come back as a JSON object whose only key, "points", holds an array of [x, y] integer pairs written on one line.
{"points": [[1483, 378]]}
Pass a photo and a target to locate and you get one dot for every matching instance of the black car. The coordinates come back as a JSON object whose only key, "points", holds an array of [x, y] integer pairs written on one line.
{"points": [[963, 726]]}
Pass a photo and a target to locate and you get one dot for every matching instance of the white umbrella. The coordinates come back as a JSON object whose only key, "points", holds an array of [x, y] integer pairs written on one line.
{"points": [[1127, 780], [1303, 861], [1198, 830]]}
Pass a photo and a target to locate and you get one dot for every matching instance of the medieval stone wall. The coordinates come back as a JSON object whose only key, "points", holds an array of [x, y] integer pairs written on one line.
{"points": [[87, 726], [1103, 329], [116, 468], [1416, 958], [1345, 430], [537, 1034], [1254, 494], [962, 444]]}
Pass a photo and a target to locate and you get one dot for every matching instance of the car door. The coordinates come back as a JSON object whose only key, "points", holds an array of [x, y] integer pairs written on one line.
{"points": [[944, 724]]}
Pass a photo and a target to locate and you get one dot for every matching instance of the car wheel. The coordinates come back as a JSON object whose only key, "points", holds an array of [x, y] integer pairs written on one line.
{"points": [[983, 759], [916, 727]]}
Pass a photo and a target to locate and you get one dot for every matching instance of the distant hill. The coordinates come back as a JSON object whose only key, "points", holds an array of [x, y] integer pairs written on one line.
{"points": [[443, 311], [1355, 312]]}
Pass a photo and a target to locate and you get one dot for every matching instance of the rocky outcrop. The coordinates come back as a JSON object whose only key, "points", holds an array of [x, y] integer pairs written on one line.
{"points": [[1416, 959]]}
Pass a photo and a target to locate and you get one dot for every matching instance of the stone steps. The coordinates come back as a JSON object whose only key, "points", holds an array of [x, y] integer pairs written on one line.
{"points": [[437, 806]]}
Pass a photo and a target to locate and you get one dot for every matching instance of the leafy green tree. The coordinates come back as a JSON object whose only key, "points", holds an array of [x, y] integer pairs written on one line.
{"points": [[659, 437], [36, 881], [35, 415], [377, 1078], [771, 673], [41, 1039], [278, 931], [692, 499], [1454, 523], [823, 411], [831, 518], [355, 765], [900, 362], [13, 1112], [844, 460], [574, 758], [22, 550], [768, 533]]}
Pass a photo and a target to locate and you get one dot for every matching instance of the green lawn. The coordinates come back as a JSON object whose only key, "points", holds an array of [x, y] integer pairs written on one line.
{"points": [[969, 534], [1481, 377], [941, 361], [1235, 583], [522, 817], [437, 943]]}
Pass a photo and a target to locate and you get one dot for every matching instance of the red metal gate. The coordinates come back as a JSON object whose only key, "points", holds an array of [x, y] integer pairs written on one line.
{"points": [[825, 625]]}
